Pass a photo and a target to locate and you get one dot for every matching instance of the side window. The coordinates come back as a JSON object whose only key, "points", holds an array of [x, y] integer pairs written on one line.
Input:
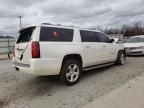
{"points": [[88, 36], [56, 34], [103, 38]]}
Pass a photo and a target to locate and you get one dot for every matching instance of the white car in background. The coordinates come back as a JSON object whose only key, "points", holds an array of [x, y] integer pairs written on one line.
{"points": [[135, 45]]}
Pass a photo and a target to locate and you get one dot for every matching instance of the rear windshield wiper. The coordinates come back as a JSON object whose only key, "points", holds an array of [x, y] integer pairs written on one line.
{"points": [[21, 57]]}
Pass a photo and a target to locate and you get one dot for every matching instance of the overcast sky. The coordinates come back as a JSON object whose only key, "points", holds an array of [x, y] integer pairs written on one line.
{"points": [[84, 13]]}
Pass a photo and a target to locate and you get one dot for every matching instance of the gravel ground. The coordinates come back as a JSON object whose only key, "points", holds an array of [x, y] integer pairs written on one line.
{"points": [[20, 90]]}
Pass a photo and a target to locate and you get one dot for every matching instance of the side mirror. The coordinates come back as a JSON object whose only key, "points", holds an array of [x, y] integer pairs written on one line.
{"points": [[112, 40]]}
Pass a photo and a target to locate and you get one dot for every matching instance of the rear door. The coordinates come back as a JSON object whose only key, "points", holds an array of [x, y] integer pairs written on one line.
{"points": [[23, 44]]}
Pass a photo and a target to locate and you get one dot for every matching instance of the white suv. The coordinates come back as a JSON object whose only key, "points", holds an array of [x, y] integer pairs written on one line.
{"points": [[64, 51]]}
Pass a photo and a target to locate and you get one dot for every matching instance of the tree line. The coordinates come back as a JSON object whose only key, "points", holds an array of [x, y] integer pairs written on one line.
{"points": [[127, 30]]}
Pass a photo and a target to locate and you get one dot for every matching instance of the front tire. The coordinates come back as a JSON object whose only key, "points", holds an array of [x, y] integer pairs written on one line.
{"points": [[70, 72], [120, 58]]}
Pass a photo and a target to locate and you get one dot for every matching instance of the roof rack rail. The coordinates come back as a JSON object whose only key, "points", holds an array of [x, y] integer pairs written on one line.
{"points": [[47, 23], [72, 26], [59, 25]]}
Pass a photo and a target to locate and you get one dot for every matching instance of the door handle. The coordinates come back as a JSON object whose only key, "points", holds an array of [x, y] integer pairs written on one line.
{"points": [[87, 46]]}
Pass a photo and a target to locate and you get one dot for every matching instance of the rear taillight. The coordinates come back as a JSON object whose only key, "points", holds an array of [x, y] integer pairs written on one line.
{"points": [[35, 50]]}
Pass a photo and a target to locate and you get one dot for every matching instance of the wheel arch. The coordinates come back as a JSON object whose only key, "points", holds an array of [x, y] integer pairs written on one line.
{"points": [[123, 50], [73, 56]]}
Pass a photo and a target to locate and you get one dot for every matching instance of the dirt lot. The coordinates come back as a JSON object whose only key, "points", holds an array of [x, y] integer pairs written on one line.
{"points": [[20, 90]]}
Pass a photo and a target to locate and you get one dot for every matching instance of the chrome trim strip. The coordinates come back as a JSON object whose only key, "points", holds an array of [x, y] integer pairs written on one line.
{"points": [[98, 66], [21, 64]]}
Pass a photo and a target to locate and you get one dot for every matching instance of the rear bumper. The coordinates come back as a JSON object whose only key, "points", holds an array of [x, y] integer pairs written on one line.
{"points": [[39, 67]]}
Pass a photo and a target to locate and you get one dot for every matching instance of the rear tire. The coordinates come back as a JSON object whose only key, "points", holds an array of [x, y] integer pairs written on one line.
{"points": [[120, 58], [70, 72]]}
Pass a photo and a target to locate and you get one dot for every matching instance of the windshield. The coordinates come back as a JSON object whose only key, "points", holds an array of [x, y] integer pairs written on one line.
{"points": [[25, 35], [135, 40]]}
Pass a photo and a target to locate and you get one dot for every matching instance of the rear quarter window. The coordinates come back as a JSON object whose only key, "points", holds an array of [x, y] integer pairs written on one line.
{"points": [[56, 34]]}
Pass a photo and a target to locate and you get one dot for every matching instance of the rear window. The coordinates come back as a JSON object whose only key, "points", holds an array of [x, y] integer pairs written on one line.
{"points": [[135, 40], [56, 34], [25, 35]]}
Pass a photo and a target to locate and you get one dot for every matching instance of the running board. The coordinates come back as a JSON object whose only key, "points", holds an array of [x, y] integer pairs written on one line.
{"points": [[97, 66]]}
